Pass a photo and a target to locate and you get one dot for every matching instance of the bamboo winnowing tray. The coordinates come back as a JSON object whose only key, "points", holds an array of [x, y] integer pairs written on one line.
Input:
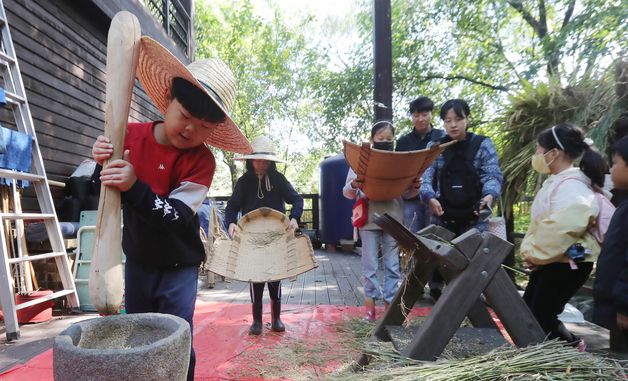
{"points": [[263, 249], [387, 174]]}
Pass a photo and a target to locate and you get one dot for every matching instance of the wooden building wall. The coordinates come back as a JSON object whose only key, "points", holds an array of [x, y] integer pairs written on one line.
{"points": [[61, 50]]}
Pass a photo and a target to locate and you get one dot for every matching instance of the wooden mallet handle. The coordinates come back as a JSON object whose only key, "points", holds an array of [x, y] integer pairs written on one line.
{"points": [[106, 283]]}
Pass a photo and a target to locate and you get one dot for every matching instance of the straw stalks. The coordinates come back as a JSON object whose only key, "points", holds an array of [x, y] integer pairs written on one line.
{"points": [[551, 360], [591, 104], [265, 238]]}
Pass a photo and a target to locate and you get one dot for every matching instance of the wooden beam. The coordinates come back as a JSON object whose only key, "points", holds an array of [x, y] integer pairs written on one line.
{"points": [[458, 298], [425, 250], [409, 292], [513, 312]]}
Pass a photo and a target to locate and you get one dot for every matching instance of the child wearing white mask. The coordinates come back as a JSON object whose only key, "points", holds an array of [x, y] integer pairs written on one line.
{"points": [[559, 246]]}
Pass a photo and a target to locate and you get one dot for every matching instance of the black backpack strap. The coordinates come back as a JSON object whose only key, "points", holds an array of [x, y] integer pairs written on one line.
{"points": [[475, 141], [447, 154]]}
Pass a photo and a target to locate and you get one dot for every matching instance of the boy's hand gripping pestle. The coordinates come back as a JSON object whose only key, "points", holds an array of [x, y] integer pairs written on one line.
{"points": [[106, 283]]}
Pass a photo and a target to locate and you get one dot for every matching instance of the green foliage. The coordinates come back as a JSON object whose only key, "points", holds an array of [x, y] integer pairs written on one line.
{"points": [[268, 58], [536, 108], [521, 65], [481, 50], [424, 63]]}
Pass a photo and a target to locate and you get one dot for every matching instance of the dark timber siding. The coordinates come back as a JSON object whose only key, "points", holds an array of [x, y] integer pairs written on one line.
{"points": [[61, 50]]}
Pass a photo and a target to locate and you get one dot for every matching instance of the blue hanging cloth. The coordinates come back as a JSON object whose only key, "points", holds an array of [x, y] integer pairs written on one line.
{"points": [[3, 98], [15, 153]]}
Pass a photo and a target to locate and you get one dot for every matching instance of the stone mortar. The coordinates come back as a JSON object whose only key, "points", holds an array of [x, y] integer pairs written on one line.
{"points": [[136, 347]]}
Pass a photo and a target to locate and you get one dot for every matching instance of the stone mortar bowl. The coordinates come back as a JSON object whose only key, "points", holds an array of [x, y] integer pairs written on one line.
{"points": [[136, 347]]}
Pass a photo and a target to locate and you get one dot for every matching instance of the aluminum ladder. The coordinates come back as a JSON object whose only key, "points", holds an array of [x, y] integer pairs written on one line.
{"points": [[17, 102]]}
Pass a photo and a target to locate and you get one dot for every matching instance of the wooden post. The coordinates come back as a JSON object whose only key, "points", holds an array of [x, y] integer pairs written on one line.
{"points": [[382, 51], [409, 292]]}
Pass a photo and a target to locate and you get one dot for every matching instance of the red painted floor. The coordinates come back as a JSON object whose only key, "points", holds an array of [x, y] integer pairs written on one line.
{"points": [[311, 346]]}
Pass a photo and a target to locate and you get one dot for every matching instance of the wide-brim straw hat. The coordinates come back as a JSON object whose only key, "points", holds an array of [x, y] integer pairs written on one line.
{"points": [[156, 69], [263, 149], [386, 175], [263, 249]]}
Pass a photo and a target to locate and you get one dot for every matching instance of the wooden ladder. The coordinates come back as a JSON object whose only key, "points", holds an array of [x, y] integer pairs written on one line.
{"points": [[16, 100]]}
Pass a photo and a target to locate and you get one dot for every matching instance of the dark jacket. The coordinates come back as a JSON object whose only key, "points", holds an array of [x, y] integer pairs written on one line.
{"points": [[610, 290], [153, 239], [245, 196], [413, 141]]}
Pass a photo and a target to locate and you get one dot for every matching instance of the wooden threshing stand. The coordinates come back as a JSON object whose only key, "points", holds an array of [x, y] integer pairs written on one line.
{"points": [[471, 266]]}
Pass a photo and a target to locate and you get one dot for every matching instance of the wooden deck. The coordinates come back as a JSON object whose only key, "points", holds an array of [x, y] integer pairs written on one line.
{"points": [[335, 281]]}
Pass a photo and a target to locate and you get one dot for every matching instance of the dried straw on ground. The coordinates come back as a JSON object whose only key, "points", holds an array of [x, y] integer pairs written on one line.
{"points": [[551, 360], [546, 361]]}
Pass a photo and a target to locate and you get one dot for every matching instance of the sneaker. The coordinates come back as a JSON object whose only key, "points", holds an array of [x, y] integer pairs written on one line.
{"points": [[581, 346], [370, 316]]}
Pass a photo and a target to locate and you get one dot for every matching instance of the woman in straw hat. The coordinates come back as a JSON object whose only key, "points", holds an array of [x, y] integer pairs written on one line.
{"points": [[263, 186], [165, 175], [382, 138]]}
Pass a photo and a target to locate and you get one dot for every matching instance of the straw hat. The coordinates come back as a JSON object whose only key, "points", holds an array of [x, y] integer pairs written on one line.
{"points": [[263, 149], [263, 249], [156, 69]]}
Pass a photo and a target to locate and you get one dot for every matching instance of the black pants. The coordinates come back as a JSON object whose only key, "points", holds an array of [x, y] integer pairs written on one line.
{"points": [[257, 291], [168, 291], [618, 340], [549, 289]]}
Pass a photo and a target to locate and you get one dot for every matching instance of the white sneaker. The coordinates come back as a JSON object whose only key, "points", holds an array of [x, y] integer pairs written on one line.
{"points": [[581, 346]]}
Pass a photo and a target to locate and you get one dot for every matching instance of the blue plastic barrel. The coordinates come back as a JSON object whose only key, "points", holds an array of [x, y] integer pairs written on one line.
{"points": [[335, 209]]}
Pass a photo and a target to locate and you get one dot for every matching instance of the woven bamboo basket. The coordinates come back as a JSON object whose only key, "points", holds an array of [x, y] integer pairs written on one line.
{"points": [[263, 249]]}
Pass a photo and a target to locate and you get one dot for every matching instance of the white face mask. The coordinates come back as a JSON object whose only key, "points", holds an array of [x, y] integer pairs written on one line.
{"points": [[539, 164]]}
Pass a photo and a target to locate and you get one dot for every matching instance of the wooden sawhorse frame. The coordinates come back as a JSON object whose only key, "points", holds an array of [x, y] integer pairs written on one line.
{"points": [[471, 266]]}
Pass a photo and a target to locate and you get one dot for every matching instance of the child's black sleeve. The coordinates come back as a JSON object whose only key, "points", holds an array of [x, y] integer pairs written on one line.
{"points": [[293, 198], [620, 289], [160, 210], [96, 175], [234, 205]]}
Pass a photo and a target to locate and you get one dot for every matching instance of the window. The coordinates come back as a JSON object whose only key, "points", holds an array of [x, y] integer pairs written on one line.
{"points": [[174, 16]]}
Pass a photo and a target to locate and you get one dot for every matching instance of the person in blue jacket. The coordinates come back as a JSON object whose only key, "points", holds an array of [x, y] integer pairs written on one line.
{"points": [[263, 186], [610, 290], [463, 180]]}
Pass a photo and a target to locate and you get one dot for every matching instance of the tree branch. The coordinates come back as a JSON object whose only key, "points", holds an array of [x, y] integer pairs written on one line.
{"points": [[543, 15], [538, 28], [569, 13], [464, 78], [500, 49]]}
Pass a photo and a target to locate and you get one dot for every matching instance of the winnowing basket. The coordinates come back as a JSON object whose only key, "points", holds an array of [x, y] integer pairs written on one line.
{"points": [[387, 174], [263, 249]]}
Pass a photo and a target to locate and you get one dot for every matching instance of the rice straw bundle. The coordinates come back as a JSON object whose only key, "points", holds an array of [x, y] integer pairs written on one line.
{"points": [[551, 360]]}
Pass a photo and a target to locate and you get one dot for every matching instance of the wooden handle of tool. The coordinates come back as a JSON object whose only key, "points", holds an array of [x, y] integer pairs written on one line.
{"points": [[105, 277]]}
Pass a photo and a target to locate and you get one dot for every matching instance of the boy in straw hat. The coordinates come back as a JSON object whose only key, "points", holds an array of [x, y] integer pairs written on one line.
{"points": [[164, 177], [263, 186]]}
